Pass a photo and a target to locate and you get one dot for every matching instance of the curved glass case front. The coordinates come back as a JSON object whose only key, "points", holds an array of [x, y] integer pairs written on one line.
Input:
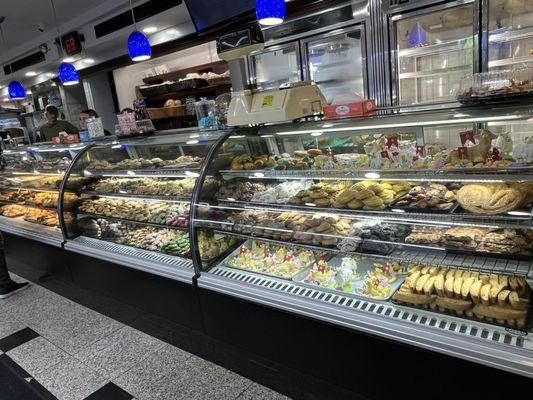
{"points": [[29, 190], [135, 197], [431, 218]]}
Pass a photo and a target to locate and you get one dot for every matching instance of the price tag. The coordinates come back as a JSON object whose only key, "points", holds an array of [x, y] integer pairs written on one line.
{"points": [[392, 141], [463, 152], [467, 136]]}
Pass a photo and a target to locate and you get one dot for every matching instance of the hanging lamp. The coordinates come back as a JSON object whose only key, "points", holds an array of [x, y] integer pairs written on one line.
{"points": [[16, 91], [270, 12], [68, 75], [139, 47]]}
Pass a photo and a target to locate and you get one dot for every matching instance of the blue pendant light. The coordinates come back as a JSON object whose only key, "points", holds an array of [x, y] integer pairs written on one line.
{"points": [[270, 12], [16, 91], [68, 75], [139, 47]]}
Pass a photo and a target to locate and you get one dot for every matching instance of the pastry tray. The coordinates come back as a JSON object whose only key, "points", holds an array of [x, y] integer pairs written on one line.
{"points": [[525, 96], [248, 244], [432, 209], [364, 265]]}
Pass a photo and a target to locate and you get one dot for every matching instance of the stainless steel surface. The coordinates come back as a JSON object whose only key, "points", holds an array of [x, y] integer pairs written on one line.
{"points": [[29, 230], [167, 266], [474, 341]]}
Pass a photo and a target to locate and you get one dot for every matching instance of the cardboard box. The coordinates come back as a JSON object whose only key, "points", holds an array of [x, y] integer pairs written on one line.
{"points": [[347, 110], [68, 139]]}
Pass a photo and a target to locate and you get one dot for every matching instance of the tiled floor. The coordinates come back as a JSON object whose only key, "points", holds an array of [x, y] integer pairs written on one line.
{"points": [[73, 353]]}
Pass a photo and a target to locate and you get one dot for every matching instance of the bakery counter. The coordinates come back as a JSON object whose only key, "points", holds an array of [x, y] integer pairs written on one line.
{"points": [[50, 235], [154, 262]]}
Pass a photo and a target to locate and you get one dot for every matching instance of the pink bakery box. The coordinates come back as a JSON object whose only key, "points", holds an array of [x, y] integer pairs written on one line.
{"points": [[346, 110]]}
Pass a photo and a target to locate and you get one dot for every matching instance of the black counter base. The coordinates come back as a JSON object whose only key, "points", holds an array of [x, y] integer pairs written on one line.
{"points": [[300, 357]]}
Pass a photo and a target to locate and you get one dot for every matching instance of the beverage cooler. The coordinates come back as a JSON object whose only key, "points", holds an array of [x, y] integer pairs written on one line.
{"points": [[328, 48], [510, 34], [432, 48]]}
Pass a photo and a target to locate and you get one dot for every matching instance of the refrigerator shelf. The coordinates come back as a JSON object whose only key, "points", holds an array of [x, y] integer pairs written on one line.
{"points": [[434, 72], [461, 44]]}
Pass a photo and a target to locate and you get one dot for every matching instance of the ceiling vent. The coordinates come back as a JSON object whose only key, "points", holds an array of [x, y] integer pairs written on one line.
{"points": [[25, 62], [142, 12]]}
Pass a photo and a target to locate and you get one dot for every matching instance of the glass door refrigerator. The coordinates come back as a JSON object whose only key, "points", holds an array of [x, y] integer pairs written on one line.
{"points": [[336, 62], [328, 48], [510, 34], [432, 47]]}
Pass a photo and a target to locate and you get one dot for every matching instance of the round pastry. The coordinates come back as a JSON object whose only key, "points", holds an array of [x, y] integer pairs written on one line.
{"points": [[489, 198], [376, 188], [354, 204], [373, 201]]}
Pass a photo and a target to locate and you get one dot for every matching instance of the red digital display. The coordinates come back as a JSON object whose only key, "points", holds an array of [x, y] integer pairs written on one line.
{"points": [[71, 44]]}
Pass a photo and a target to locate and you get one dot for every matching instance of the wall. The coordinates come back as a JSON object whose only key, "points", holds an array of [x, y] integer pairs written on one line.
{"points": [[100, 98], [127, 78]]}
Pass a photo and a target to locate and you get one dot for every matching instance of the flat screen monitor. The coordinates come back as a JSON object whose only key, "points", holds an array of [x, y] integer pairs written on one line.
{"points": [[208, 14]]}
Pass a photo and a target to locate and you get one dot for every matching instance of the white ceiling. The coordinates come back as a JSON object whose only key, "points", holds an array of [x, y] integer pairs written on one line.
{"points": [[23, 37], [23, 17]]}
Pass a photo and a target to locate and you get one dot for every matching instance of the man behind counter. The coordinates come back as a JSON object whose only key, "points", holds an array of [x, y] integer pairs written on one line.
{"points": [[54, 125]]}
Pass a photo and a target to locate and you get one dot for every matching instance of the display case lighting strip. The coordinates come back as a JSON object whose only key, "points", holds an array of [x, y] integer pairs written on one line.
{"points": [[461, 118]]}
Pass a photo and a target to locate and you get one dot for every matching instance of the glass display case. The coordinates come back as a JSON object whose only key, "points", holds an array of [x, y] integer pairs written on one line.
{"points": [[29, 190], [416, 227], [510, 34], [276, 66], [434, 48], [134, 201]]}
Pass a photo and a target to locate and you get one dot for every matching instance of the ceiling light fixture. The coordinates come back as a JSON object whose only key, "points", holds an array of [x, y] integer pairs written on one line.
{"points": [[31, 73], [270, 12], [150, 29], [88, 61], [68, 75], [138, 45]]}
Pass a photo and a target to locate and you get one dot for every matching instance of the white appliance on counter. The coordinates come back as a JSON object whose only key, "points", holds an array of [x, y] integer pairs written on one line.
{"points": [[250, 107]]}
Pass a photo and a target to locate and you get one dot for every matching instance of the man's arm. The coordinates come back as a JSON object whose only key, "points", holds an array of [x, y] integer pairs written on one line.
{"points": [[70, 129]]}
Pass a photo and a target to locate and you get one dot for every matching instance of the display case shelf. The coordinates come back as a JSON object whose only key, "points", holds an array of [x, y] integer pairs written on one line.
{"points": [[26, 204], [145, 173], [30, 189], [414, 175], [168, 266], [128, 196], [130, 221], [510, 35], [523, 220], [423, 255], [19, 227]]}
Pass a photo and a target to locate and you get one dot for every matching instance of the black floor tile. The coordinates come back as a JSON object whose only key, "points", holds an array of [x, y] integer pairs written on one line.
{"points": [[110, 392], [13, 366], [43, 392], [13, 386], [17, 338]]}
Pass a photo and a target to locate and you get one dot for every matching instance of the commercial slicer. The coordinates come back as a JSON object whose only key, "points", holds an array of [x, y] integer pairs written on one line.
{"points": [[249, 106]]}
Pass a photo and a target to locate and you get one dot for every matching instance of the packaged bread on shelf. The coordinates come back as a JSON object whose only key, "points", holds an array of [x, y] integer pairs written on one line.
{"points": [[493, 298]]}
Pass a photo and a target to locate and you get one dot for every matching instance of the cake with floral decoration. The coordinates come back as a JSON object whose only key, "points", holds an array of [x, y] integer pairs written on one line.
{"points": [[377, 283], [341, 278]]}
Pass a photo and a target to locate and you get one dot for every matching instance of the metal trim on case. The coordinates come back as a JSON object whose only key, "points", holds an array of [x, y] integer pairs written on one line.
{"points": [[464, 339]]}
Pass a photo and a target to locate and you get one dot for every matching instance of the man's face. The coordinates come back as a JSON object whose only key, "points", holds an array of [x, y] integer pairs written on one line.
{"points": [[50, 116]]}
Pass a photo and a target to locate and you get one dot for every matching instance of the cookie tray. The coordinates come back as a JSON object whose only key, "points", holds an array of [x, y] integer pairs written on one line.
{"points": [[364, 265], [429, 210], [247, 244]]}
